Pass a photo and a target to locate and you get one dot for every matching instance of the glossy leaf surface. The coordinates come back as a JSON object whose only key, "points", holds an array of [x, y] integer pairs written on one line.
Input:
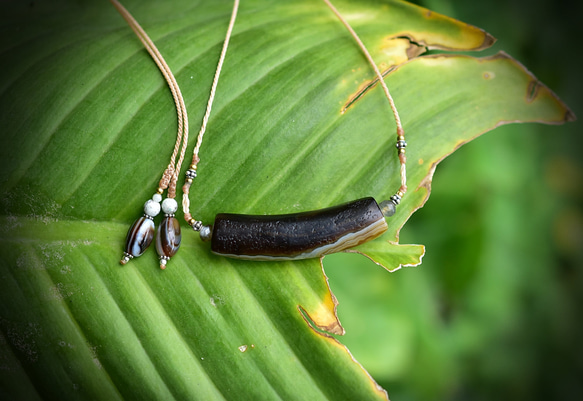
{"points": [[88, 125]]}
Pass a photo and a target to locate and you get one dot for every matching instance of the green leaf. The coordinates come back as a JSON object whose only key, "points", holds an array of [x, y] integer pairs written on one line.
{"points": [[88, 125]]}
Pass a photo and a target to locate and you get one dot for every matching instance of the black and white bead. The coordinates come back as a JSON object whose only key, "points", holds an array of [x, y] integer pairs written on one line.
{"points": [[396, 199], [190, 174], [401, 145]]}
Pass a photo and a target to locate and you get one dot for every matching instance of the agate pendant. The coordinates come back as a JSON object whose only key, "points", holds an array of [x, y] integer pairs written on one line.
{"points": [[140, 236], [303, 235], [168, 239]]}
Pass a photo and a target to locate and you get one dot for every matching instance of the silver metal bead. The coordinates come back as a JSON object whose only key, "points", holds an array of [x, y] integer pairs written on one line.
{"points": [[388, 208], [206, 232], [126, 258], [401, 144]]}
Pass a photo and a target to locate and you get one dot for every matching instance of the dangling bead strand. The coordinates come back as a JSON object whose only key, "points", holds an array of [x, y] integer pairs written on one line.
{"points": [[205, 231], [141, 233], [389, 207]]}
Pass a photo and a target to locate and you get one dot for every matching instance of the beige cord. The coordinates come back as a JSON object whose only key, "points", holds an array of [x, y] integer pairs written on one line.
{"points": [[400, 131], [195, 159], [215, 83], [170, 175]]}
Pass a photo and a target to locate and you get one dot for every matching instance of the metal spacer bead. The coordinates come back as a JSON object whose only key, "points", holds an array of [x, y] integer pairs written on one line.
{"points": [[196, 225], [190, 173], [148, 216], [401, 144], [126, 258], [396, 199]]}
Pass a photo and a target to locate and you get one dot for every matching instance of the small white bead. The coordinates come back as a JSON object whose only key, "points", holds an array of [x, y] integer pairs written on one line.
{"points": [[169, 206], [151, 208], [157, 198]]}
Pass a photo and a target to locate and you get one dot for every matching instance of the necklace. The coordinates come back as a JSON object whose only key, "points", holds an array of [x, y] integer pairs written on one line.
{"points": [[310, 234]]}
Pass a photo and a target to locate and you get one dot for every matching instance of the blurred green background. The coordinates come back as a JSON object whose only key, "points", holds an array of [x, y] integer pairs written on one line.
{"points": [[494, 312]]}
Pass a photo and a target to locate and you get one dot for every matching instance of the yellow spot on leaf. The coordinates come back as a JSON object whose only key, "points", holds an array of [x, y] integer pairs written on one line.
{"points": [[488, 75]]}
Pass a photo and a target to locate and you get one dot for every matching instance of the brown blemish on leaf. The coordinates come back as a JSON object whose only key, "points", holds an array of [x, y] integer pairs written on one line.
{"points": [[414, 50], [320, 318], [532, 90], [397, 50], [364, 88], [324, 319], [425, 183], [535, 88], [321, 330], [489, 40], [468, 37], [447, 33], [569, 116]]}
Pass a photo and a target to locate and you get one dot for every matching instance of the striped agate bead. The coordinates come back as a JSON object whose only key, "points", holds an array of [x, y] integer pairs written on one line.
{"points": [[139, 236], [168, 239], [302, 235]]}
